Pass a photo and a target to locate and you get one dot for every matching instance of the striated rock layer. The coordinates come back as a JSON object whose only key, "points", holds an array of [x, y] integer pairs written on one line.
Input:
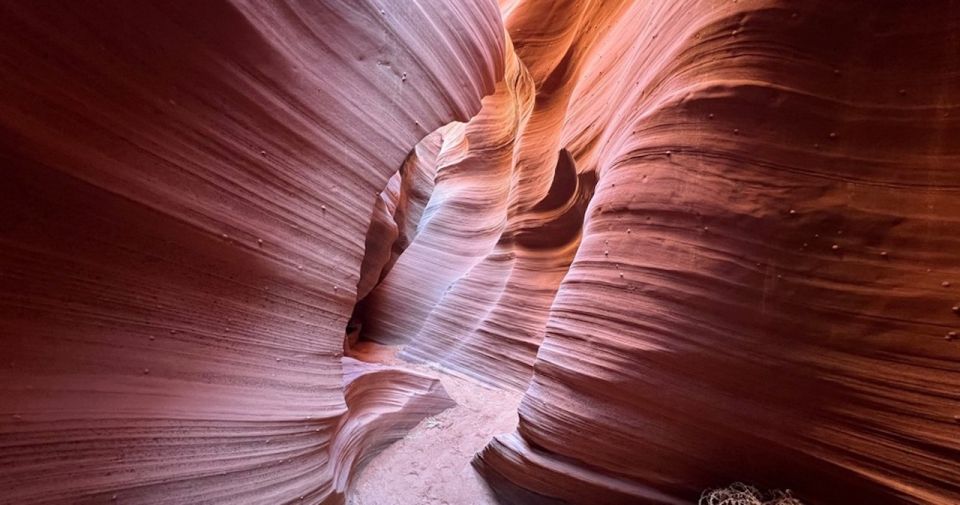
{"points": [[184, 197], [711, 241], [768, 266], [764, 285]]}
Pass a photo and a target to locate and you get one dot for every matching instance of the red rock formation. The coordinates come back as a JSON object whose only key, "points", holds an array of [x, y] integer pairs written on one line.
{"points": [[759, 291], [713, 241], [183, 203]]}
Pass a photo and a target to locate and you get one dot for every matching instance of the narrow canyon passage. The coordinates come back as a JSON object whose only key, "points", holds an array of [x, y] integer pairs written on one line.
{"points": [[431, 465], [409, 252]]}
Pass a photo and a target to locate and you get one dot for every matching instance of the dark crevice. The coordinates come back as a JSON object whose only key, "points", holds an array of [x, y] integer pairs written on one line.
{"points": [[569, 195], [396, 232]]}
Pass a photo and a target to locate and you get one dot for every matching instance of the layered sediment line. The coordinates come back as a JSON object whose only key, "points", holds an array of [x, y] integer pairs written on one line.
{"points": [[710, 242], [185, 193], [765, 279], [762, 284]]}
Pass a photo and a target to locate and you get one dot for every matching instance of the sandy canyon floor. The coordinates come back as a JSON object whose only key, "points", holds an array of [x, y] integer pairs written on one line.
{"points": [[431, 465]]}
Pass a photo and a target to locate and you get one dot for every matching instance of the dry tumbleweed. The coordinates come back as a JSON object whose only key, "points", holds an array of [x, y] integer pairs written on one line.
{"points": [[742, 494]]}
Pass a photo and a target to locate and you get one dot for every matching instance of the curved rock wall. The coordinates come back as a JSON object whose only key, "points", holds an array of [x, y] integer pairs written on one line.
{"points": [[768, 267], [764, 285], [185, 191], [473, 291], [713, 241]]}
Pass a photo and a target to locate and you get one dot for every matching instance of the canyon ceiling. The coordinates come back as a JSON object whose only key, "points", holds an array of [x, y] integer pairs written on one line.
{"points": [[709, 240]]}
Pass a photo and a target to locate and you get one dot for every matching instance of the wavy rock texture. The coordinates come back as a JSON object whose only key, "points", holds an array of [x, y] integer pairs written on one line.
{"points": [[764, 281], [712, 241], [185, 193], [398, 211], [766, 272], [497, 235]]}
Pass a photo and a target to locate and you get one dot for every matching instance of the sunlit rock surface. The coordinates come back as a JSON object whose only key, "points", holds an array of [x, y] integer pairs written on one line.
{"points": [[763, 286], [711, 241]]}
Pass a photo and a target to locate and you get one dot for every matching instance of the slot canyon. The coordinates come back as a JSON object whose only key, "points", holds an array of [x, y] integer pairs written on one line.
{"points": [[476, 252]]}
